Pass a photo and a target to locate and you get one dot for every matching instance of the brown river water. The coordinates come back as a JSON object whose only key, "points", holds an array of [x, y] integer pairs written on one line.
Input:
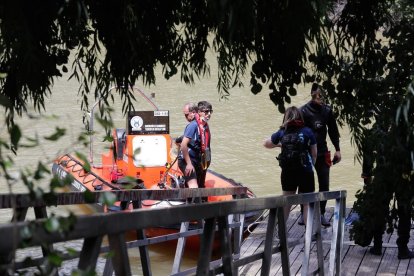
{"points": [[238, 125]]}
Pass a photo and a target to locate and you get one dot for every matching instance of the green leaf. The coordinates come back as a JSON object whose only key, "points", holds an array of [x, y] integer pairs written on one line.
{"points": [[33, 142], [105, 123], [15, 136], [292, 91], [54, 259], [40, 171], [52, 224], [109, 255], [256, 88], [26, 233], [84, 139], [66, 224], [86, 164], [398, 114], [137, 151], [72, 251], [4, 101], [107, 198], [59, 132], [57, 182]]}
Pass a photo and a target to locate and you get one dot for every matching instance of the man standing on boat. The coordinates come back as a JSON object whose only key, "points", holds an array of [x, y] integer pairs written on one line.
{"points": [[189, 111], [319, 117], [195, 155], [205, 110]]}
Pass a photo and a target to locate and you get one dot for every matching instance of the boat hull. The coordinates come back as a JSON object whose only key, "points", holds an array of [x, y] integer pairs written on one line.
{"points": [[95, 180]]}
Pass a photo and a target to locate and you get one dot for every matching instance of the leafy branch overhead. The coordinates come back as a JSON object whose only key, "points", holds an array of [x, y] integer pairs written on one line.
{"points": [[360, 51], [117, 42]]}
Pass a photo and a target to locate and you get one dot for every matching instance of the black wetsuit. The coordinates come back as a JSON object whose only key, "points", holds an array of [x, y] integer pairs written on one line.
{"points": [[321, 120], [381, 190]]}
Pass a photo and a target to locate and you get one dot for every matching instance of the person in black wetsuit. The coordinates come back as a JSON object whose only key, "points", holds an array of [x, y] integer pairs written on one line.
{"points": [[380, 189], [319, 117]]}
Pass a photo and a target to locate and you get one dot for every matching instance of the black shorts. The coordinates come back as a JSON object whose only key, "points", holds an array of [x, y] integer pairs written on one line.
{"points": [[293, 180], [199, 174]]}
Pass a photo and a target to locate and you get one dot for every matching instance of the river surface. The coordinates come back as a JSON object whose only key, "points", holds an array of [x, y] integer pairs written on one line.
{"points": [[238, 126]]}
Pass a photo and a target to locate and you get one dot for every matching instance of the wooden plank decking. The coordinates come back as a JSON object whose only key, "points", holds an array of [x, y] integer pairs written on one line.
{"points": [[356, 259]]}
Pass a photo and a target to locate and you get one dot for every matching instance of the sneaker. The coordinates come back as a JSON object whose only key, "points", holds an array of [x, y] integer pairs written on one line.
{"points": [[376, 251], [405, 254], [300, 221], [324, 222]]}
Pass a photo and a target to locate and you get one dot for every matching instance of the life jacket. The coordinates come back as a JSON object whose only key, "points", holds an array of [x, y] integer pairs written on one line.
{"points": [[294, 152], [204, 132]]}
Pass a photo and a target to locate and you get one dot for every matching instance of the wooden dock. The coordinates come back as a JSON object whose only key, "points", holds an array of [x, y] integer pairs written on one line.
{"points": [[356, 260]]}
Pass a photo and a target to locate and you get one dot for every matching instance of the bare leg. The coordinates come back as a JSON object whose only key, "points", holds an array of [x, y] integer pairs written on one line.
{"points": [[192, 183]]}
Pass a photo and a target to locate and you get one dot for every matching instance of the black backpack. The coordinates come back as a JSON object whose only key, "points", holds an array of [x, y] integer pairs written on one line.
{"points": [[294, 151]]}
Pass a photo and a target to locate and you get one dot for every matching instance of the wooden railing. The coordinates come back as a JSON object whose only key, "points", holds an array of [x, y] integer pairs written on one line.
{"points": [[93, 228], [20, 203]]}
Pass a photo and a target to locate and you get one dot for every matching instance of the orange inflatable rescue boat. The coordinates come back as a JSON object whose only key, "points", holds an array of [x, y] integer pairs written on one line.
{"points": [[139, 152]]}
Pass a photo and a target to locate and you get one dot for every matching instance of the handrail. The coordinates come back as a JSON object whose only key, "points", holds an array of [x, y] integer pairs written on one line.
{"points": [[112, 223], [116, 224], [91, 114], [69, 198]]}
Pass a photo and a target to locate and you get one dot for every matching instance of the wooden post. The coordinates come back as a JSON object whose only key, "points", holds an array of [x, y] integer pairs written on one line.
{"points": [[284, 248], [337, 237], [20, 214], [318, 233], [120, 257], [179, 252], [308, 238], [206, 247], [40, 212], [109, 268], [238, 234], [313, 231], [226, 252], [267, 252], [143, 250], [90, 252]]}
